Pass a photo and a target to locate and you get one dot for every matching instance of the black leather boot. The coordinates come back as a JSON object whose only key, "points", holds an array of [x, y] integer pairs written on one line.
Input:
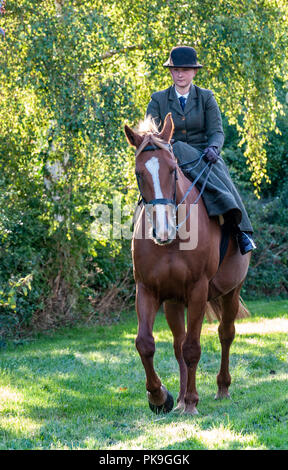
{"points": [[245, 242], [244, 239]]}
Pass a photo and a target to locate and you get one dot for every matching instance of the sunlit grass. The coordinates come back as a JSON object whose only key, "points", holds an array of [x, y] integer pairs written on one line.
{"points": [[84, 388], [182, 435]]}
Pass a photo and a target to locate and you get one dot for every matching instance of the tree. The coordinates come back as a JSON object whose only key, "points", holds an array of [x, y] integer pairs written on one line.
{"points": [[72, 73]]}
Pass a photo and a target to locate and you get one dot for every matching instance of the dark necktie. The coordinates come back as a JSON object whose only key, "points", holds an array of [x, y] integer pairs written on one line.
{"points": [[182, 102]]}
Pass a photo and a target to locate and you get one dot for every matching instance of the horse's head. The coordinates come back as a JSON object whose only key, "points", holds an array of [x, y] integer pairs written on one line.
{"points": [[156, 176]]}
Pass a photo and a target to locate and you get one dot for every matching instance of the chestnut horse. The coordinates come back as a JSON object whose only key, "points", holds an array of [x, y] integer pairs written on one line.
{"points": [[178, 278]]}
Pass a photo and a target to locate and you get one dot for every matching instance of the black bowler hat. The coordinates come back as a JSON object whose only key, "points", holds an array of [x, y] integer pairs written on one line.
{"points": [[183, 56]]}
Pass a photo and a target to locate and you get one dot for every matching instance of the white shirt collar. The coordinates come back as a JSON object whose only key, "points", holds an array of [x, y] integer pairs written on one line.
{"points": [[184, 96]]}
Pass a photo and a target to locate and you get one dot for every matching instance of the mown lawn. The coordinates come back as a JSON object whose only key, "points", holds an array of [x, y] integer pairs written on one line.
{"points": [[84, 388]]}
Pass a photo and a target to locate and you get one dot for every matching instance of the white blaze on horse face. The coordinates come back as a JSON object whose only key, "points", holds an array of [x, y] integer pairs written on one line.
{"points": [[164, 227], [152, 166]]}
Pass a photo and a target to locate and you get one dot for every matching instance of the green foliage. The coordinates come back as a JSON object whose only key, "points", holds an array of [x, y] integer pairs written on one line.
{"points": [[72, 73], [268, 272]]}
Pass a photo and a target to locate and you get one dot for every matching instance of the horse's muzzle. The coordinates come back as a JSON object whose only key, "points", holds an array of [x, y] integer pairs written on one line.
{"points": [[165, 240], [164, 225]]}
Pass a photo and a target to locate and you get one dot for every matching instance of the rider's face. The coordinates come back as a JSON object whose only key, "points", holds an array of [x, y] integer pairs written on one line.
{"points": [[182, 77]]}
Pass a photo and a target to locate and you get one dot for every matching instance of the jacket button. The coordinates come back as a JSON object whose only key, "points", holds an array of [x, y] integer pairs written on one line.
{"points": [[184, 131], [183, 118]]}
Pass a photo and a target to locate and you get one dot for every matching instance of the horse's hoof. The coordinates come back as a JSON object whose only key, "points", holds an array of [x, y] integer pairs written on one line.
{"points": [[190, 410], [180, 407], [165, 408], [220, 395]]}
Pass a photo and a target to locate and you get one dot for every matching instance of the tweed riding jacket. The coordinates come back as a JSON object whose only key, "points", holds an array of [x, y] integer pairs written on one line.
{"points": [[197, 127]]}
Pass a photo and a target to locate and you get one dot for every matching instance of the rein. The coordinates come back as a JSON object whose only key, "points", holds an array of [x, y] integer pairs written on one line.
{"points": [[209, 166], [173, 201]]}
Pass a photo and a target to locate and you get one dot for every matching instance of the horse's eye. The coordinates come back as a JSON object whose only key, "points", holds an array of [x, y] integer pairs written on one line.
{"points": [[138, 174]]}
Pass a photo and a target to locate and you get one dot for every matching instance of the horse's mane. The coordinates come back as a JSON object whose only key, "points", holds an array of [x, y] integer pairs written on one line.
{"points": [[147, 126], [149, 129]]}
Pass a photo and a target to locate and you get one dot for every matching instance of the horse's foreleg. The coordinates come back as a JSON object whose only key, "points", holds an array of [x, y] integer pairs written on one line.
{"points": [[176, 320], [191, 347], [226, 331], [147, 306]]}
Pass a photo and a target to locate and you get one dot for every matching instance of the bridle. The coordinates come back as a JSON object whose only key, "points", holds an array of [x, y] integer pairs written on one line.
{"points": [[166, 201]]}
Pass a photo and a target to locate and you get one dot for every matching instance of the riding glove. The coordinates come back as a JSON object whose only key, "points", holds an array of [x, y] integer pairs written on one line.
{"points": [[211, 154]]}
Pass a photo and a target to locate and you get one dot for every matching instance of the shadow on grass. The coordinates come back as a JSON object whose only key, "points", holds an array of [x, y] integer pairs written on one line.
{"points": [[87, 390]]}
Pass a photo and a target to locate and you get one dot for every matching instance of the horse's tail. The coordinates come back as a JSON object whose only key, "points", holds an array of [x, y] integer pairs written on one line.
{"points": [[214, 309]]}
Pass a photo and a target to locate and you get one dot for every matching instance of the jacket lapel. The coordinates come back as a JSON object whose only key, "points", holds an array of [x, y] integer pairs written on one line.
{"points": [[174, 102], [191, 101]]}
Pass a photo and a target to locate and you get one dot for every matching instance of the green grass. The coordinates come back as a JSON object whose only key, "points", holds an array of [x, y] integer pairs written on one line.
{"points": [[84, 388]]}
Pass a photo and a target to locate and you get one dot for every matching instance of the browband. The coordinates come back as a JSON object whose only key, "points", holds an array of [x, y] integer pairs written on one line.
{"points": [[155, 147]]}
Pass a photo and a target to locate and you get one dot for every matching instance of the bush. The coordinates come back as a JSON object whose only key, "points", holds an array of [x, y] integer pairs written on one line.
{"points": [[268, 272]]}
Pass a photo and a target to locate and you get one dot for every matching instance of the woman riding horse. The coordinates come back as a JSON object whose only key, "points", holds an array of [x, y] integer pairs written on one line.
{"points": [[198, 129], [169, 274]]}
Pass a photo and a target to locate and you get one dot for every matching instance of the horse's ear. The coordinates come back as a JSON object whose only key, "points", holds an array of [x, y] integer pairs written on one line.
{"points": [[133, 138], [168, 128]]}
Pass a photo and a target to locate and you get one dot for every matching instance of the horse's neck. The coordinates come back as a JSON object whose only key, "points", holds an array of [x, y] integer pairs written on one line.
{"points": [[183, 184]]}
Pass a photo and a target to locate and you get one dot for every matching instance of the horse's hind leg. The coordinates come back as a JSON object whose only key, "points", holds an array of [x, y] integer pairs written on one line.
{"points": [[226, 331], [147, 306], [175, 314]]}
